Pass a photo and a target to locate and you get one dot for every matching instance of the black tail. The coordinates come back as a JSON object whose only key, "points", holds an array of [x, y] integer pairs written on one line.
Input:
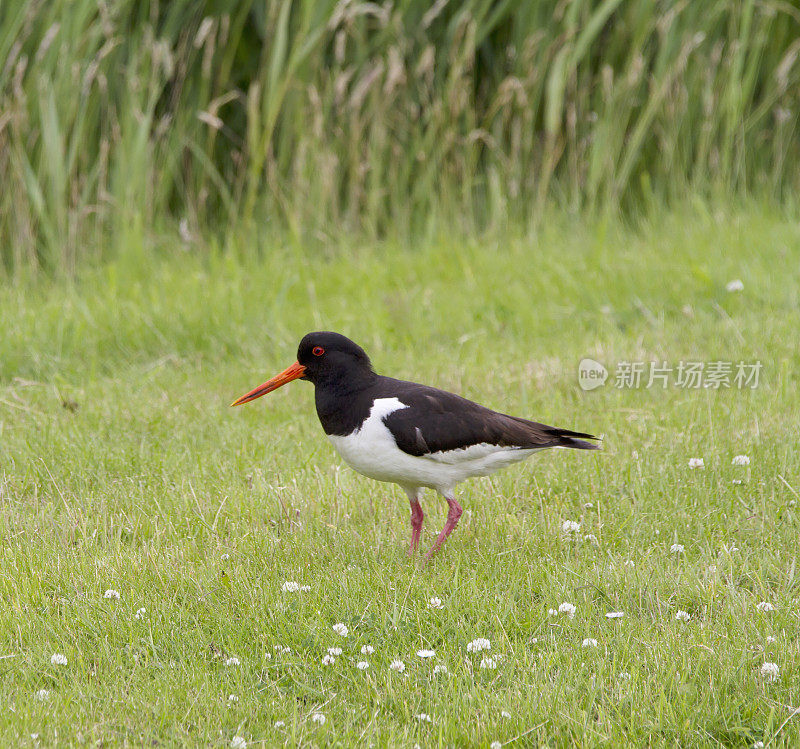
{"points": [[568, 438]]}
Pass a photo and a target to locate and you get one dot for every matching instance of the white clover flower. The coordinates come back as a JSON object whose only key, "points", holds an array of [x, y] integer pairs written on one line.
{"points": [[57, 659], [334, 651], [770, 671], [589, 642], [290, 587], [737, 482], [42, 695], [232, 698], [740, 460], [683, 616], [591, 538], [305, 588], [765, 606], [505, 714], [328, 660], [552, 612], [362, 665], [735, 285], [238, 742], [488, 663], [758, 745], [495, 745], [696, 463], [111, 593], [629, 563], [318, 718], [534, 640], [588, 505], [440, 669], [140, 613], [426, 653], [677, 548], [570, 526], [771, 639], [615, 614], [225, 557], [282, 649], [341, 629], [624, 676], [435, 603], [423, 717], [232, 661], [477, 645], [279, 724], [367, 650], [398, 666], [567, 608]]}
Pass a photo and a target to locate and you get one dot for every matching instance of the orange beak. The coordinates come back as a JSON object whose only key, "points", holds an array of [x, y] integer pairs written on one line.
{"points": [[288, 374]]}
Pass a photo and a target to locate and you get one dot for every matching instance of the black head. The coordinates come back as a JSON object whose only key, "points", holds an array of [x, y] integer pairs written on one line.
{"points": [[331, 356], [327, 359]]}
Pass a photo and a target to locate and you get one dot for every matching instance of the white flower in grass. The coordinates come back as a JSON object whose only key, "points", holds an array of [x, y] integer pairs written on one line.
{"points": [[398, 666], [765, 606], [771, 640], [696, 463], [290, 587], [630, 563], [225, 557], [740, 460], [42, 695], [282, 649], [140, 613], [589, 642], [279, 724], [305, 588], [341, 629], [57, 659], [328, 660], [440, 669], [567, 608], [758, 745], [624, 676], [232, 698], [735, 285], [570, 526], [677, 548], [505, 714], [479, 644], [367, 650], [592, 539], [615, 614], [111, 593], [232, 661], [238, 742], [426, 653], [423, 717], [362, 665], [552, 612], [770, 671], [683, 616], [318, 718], [435, 603], [489, 663], [334, 651], [495, 745]]}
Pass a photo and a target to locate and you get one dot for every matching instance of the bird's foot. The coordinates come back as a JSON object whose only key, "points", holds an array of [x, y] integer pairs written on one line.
{"points": [[453, 514]]}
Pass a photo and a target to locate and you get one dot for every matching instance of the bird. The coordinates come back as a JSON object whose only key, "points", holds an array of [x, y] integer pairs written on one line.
{"points": [[409, 434]]}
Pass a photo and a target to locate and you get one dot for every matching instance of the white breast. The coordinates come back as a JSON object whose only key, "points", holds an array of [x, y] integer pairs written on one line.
{"points": [[372, 450]]}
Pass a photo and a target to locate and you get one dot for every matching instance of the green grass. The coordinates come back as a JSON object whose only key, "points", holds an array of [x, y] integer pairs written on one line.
{"points": [[122, 467], [324, 117]]}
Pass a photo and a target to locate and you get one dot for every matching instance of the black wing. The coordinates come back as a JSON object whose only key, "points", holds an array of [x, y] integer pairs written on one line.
{"points": [[436, 420]]}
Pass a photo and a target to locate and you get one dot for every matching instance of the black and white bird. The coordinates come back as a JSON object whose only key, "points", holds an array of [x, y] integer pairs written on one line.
{"points": [[408, 434]]}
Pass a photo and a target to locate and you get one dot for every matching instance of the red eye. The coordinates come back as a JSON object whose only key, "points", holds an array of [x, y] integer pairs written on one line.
{"points": [[318, 351]]}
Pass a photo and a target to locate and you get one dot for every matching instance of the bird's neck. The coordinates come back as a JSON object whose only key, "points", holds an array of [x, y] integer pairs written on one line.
{"points": [[344, 402]]}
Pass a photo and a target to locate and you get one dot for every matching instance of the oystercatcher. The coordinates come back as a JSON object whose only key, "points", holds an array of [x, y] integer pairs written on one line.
{"points": [[409, 434]]}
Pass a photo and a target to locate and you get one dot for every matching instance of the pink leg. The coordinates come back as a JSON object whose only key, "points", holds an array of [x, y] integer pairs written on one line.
{"points": [[417, 516], [453, 514]]}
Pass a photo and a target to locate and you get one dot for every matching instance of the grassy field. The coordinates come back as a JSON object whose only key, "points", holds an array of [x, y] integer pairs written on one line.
{"points": [[122, 468]]}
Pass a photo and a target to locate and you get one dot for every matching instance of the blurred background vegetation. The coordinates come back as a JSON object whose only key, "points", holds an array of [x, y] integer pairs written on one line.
{"points": [[315, 118]]}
